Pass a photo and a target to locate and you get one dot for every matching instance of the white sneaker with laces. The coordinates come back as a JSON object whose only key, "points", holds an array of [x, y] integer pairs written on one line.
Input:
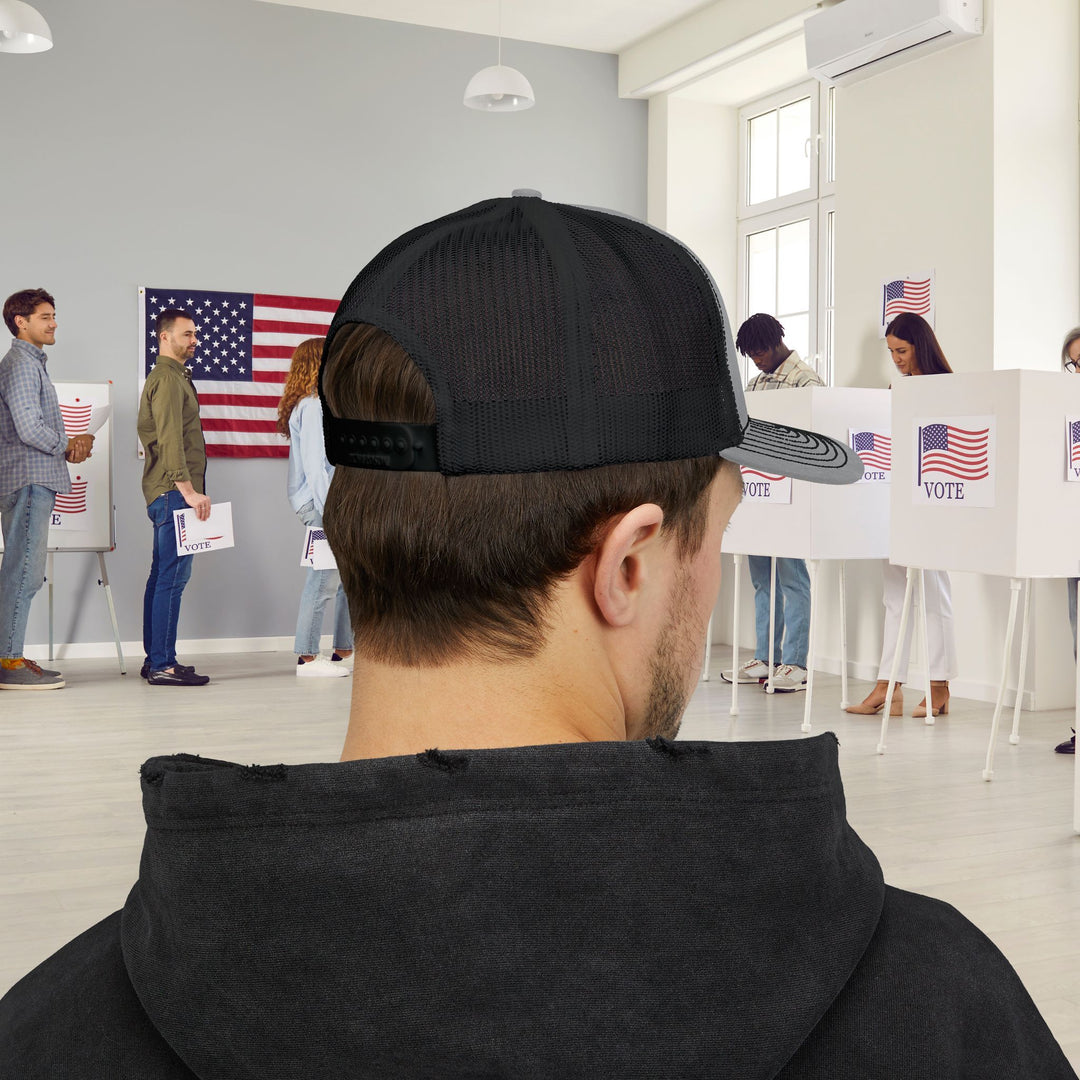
{"points": [[320, 668], [753, 671], [789, 677]]}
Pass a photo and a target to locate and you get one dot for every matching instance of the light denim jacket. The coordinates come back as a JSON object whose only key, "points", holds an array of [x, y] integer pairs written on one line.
{"points": [[309, 471]]}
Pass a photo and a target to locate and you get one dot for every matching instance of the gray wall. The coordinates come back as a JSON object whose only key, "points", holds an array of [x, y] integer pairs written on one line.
{"points": [[229, 144]]}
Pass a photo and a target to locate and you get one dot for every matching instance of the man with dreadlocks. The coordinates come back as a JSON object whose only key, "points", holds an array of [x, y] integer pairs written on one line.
{"points": [[761, 338]]}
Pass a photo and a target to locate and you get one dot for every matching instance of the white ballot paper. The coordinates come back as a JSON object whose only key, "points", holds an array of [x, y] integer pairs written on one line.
{"points": [[194, 536], [97, 418], [317, 553]]}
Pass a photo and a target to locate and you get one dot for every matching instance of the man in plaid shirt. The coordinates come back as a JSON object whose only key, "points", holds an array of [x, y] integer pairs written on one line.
{"points": [[761, 338], [33, 449]]}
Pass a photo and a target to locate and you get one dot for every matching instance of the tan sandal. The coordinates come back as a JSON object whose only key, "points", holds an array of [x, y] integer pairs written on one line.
{"points": [[874, 702], [939, 694]]}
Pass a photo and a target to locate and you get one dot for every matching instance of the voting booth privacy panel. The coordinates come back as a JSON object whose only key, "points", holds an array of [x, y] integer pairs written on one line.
{"points": [[798, 520], [986, 474], [83, 519]]}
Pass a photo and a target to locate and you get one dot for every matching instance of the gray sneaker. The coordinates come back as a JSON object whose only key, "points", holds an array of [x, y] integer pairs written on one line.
{"points": [[753, 671], [28, 676]]}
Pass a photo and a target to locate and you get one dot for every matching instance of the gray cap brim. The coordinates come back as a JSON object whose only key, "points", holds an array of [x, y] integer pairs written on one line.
{"points": [[795, 452]]}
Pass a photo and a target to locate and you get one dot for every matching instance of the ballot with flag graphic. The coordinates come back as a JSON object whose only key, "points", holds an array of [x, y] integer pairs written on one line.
{"points": [[194, 536], [875, 450], [1072, 449], [246, 341], [317, 554], [955, 461]]}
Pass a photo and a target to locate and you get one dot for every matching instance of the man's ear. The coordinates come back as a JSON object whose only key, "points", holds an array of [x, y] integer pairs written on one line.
{"points": [[622, 563]]}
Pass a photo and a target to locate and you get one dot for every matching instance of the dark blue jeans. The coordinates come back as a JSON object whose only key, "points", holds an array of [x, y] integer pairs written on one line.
{"points": [[169, 573]]}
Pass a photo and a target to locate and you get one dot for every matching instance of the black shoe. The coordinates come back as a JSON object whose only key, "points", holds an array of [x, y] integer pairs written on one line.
{"points": [[182, 676], [144, 671], [1067, 747]]}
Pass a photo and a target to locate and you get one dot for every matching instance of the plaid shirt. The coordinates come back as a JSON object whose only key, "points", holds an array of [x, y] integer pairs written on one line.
{"points": [[792, 373], [32, 436]]}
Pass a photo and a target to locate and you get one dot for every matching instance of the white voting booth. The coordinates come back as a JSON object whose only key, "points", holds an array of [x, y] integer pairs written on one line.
{"points": [[788, 518], [986, 478]]}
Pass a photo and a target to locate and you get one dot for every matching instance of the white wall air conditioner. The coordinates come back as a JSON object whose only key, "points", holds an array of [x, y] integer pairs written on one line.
{"points": [[859, 38]]}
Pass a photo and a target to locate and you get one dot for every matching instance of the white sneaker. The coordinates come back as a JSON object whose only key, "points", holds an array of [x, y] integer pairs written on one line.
{"points": [[753, 671], [789, 677], [320, 667]]}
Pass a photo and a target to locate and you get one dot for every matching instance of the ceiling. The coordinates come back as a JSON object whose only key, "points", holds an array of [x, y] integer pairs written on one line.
{"points": [[607, 26]]}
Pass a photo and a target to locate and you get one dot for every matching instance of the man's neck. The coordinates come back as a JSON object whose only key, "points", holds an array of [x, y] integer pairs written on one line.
{"points": [[176, 359], [32, 344]]}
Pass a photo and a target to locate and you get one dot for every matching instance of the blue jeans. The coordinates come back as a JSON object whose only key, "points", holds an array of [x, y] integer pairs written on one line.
{"points": [[318, 588], [792, 610], [24, 516], [169, 573]]}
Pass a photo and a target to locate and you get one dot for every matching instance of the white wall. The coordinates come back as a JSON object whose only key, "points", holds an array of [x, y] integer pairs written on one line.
{"points": [[225, 144], [964, 161]]}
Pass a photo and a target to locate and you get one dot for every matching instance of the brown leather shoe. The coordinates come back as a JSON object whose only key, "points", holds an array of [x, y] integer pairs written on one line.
{"points": [[874, 702], [939, 694]]}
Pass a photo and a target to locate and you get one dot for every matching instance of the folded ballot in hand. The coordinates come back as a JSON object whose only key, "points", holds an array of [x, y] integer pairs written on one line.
{"points": [[194, 536], [317, 553]]}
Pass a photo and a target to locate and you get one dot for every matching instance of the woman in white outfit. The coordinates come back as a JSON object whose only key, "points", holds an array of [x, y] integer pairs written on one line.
{"points": [[300, 421], [915, 351]]}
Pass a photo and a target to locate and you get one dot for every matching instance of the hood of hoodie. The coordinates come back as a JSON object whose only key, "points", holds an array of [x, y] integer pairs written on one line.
{"points": [[626, 909]]}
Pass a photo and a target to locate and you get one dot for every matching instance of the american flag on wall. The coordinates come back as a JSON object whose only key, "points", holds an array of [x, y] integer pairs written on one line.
{"points": [[246, 341], [1074, 443], [874, 448], [908, 294], [956, 452]]}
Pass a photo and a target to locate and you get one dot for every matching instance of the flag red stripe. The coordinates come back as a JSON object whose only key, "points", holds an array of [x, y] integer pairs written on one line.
{"points": [[303, 303], [258, 401], [269, 376], [272, 352], [268, 426], [248, 450], [272, 326]]}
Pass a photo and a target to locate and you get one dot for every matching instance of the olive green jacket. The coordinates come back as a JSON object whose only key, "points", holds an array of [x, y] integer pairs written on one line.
{"points": [[170, 430]]}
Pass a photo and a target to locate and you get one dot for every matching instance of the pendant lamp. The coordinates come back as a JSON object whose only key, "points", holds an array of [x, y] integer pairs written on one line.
{"points": [[498, 88], [22, 29]]}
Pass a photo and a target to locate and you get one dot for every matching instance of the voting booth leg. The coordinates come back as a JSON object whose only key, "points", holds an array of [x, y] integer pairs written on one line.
{"points": [[772, 623], [734, 710], [708, 652], [1014, 735], [1014, 597], [812, 566], [843, 637], [1076, 760], [49, 578], [104, 582], [904, 612], [925, 648]]}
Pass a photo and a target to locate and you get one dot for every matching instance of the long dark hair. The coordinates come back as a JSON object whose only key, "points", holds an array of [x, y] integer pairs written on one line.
{"points": [[917, 332]]}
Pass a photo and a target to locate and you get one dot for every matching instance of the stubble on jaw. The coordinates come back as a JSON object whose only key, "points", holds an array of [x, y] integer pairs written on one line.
{"points": [[675, 657]]}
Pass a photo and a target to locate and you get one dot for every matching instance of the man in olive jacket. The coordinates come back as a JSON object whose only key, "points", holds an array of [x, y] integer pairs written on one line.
{"points": [[173, 477]]}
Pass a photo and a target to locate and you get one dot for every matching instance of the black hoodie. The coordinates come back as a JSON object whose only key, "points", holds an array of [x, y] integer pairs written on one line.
{"points": [[634, 910]]}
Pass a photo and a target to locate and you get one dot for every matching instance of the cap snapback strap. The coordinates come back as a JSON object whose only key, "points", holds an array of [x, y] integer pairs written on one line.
{"points": [[379, 444]]}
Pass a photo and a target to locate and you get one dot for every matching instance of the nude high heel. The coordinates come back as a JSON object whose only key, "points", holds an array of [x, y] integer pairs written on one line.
{"points": [[874, 702], [939, 695]]}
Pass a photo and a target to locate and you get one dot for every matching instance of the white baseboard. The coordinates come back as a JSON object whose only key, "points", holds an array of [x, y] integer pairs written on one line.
{"points": [[88, 650]]}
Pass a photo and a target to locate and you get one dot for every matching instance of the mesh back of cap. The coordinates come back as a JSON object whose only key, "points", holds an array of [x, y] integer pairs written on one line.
{"points": [[554, 337]]}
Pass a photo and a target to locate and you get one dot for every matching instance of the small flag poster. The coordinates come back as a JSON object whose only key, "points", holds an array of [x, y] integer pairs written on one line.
{"points": [[875, 450], [764, 487], [915, 294], [1072, 449], [954, 461]]}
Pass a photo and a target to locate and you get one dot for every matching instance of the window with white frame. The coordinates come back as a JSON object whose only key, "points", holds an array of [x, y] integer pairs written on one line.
{"points": [[787, 217]]}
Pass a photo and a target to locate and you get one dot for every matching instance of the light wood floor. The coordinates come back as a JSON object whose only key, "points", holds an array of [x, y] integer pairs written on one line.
{"points": [[1004, 853]]}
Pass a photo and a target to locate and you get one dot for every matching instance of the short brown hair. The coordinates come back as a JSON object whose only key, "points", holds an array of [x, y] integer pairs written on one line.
{"points": [[446, 568], [165, 319], [25, 304]]}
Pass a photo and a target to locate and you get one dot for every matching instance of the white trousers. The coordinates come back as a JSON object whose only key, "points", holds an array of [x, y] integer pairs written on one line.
{"points": [[939, 623]]}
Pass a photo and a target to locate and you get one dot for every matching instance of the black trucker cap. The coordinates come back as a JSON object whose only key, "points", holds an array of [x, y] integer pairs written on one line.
{"points": [[560, 337]]}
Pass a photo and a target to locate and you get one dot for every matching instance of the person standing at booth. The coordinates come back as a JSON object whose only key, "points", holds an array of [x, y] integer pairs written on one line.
{"points": [[761, 338], [300, 420], [915, 350], [1070, 361], [174, 473], [33, 449]]}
